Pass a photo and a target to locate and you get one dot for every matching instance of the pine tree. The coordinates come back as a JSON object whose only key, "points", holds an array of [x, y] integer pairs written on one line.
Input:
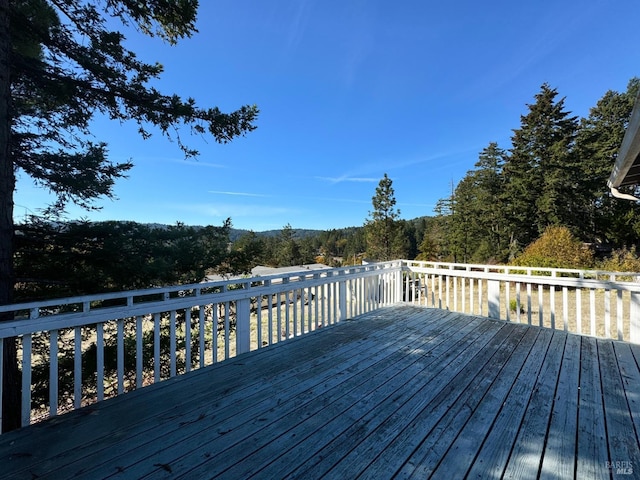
{"points": [[473, 217], [60, 64], [381, 228], [463, 228], [605, 218], [540, 174], [289, 249], [489, 213]]}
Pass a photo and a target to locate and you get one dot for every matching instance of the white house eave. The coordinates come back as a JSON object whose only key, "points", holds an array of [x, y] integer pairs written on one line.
{"points": [[626, 170]]}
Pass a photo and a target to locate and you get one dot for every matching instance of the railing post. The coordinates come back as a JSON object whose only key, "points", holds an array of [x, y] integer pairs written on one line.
{"points": [[243, 323], [398, 282], [493, 294], [634, 314], [342, 299]]}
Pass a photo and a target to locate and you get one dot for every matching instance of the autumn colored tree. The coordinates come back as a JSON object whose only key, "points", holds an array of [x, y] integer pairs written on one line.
{"points": [[557, 247]]}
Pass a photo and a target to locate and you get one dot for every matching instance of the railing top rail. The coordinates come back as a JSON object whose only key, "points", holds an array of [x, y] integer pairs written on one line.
{"points": [[201, 293], [131, 296], [529, 270], [576, 282], [73, 311]]}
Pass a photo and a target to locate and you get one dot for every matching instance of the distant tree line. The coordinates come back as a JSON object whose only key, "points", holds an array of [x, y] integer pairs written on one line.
{"points": [[56, 259]]}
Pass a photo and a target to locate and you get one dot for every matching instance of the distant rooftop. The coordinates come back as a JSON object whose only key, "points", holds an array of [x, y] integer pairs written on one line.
{"points": [[262, 271]]}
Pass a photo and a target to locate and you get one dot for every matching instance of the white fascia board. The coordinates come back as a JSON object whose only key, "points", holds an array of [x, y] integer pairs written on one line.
{"points": [[629, 150]]}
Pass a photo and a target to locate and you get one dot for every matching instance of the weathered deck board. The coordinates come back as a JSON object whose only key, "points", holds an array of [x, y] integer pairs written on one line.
{"points": [[561, 438], [404, 391], [628, 365], [365, 439], [449, 411], [592, 435], [469, 438], [312, 405], [500, 440], [276, 458], [616, 409]]}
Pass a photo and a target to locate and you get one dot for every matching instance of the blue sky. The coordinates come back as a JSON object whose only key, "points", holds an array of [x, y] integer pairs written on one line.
{"points": [[348, 91]]}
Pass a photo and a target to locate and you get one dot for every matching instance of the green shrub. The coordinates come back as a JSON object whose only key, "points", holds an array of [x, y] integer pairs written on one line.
{"points": [[513, 306], [556, 248]]}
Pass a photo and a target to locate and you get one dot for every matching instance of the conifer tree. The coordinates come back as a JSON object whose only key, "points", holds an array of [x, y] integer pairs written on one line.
{"points": [[555, 174], [605, 218], [463, 228], [289, 249], [540, 179], [381, 228], [61, 63], [489, 211]]}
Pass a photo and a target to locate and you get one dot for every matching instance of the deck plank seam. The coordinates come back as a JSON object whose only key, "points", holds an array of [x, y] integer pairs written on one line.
{"points": [[423, 468], [440, 398], [389, 347], [419, 342]]}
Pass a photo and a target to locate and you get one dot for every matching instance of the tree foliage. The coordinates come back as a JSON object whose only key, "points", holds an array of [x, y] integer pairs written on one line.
{"points": [[68, 65], [555, 174], [604, 218], [62, 63], [384, 240], [246, 252], [78, 258], [622, 260], [540, 181]]}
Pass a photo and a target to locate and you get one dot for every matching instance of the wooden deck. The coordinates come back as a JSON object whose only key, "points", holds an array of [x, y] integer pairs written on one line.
{"points": [[401, 392]]}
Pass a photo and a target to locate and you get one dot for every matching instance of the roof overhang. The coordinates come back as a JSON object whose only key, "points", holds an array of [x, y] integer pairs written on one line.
{"points": [[626, 170]]}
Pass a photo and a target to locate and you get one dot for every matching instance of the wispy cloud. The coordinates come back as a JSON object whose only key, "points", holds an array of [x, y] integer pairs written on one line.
{"points": [[346, 178], [232, 210], [196, 163], [298, 24], [239, 194], [453, 156], [403, 204], [335, 199], [288, 198], [180, 161]]}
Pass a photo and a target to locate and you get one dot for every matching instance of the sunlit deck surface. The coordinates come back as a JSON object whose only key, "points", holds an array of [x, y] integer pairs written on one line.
{"points": [[404, 391]]}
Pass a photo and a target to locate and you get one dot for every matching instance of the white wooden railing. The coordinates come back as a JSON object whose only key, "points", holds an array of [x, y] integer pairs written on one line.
{"points": [[84, 349], [588, 302], [77, 351]]}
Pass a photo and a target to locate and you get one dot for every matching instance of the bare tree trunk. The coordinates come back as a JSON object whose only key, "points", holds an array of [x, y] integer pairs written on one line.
{"points": [[11, 374]]}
